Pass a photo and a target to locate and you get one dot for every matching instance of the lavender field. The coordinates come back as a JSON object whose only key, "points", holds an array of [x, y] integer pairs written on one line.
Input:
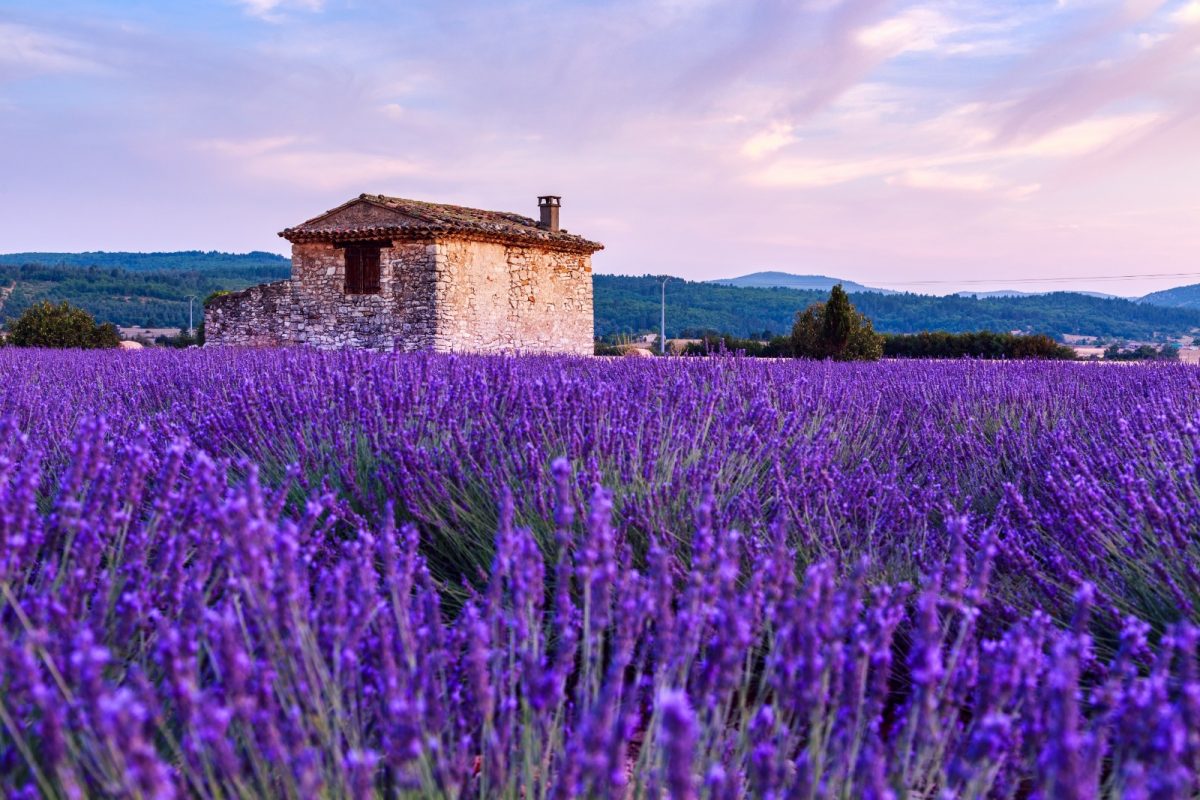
{"points": [[299, 574]]}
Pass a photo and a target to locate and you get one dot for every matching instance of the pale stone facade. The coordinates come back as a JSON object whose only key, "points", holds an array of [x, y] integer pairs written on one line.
{"points": [[449, 279]]}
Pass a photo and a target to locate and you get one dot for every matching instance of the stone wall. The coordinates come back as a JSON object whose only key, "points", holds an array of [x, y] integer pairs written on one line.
{"points": [[452, 294], [248, 318], [497, 298], [313, 308]]}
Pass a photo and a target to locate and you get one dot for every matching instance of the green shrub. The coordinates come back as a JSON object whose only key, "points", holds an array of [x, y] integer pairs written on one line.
{"points": [[976, 344], [61, 326], [214, 295], [835, 329], [1145, 352]]}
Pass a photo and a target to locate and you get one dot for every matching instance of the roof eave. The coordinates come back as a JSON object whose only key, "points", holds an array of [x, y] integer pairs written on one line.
{"points": [[570, 243]]}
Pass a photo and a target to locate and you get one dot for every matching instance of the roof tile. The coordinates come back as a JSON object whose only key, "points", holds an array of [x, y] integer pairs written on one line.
{"points": [[419, 219]]}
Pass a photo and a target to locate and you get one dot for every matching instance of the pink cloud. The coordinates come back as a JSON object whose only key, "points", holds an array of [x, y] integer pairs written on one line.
{"points": [[1091, 88], [842, 60]]}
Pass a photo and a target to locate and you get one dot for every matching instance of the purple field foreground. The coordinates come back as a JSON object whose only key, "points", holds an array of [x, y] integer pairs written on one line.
{"points": [[295, 574]]}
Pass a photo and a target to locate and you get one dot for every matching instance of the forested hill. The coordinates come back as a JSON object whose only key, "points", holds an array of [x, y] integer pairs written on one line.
{"points": [[630, 305], [150, 289], [183, 260], [1179, 297]]}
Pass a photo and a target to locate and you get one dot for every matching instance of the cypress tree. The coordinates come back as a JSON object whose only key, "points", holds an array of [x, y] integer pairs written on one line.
{"points": [[837, 322]]}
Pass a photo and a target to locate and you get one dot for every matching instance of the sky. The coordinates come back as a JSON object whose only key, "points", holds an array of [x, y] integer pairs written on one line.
{"points": [[929, 146]]}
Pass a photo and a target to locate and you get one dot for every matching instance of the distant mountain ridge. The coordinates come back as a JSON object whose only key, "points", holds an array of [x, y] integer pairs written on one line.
{"points": [[1018, 293], [1179, 297], [787, 280]]}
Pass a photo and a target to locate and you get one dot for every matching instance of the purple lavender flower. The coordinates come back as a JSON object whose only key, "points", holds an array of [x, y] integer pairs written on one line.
{"points": [[280, 573], [678, 733]]}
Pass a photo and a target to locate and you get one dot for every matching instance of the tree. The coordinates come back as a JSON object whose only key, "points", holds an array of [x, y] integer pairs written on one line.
{"points": [[837, 321], [835, 329], [62, 325]]}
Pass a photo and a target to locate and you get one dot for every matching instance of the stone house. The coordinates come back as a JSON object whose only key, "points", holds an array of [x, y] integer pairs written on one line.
{"points": [[384, 273]]}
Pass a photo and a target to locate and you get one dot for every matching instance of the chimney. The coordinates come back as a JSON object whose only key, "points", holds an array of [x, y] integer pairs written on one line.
{"points": [[548, 204]]}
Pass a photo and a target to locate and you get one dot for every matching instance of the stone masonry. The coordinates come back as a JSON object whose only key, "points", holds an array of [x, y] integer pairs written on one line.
{"points": [[451, 279]]}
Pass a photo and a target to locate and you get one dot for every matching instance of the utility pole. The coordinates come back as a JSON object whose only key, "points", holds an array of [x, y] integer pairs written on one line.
{"points": [[662, 347], [191, 327]]}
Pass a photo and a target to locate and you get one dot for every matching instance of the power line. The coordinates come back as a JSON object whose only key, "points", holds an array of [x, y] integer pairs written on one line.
{"points": [[1071, 279]]}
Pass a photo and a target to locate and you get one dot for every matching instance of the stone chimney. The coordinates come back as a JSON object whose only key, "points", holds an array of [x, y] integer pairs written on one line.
{"points": [[549, 204]]}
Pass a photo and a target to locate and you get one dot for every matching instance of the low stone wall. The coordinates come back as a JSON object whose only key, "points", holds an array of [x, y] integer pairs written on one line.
{"points": [[247, 318]]}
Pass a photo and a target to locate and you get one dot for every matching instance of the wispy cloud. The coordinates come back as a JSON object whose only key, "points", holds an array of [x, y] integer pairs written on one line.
{"points": [[25, 50], [841, 61], [292, 161], [918, 29], [1087, 136], [772, 138], [819, 172], [955, 152], [1089, 89], [273, 10], [969, 182], [1187, 14]]}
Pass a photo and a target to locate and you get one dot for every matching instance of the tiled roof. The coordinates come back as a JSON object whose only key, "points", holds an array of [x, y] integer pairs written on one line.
{"points": [[379, 216]]}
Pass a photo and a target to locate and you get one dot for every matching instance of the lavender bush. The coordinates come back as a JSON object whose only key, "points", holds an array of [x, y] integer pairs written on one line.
{"points": [[292, 574]]}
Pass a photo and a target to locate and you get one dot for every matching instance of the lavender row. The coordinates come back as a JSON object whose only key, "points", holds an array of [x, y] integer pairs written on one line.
{"points": [[166, 633], [1077, 472]]}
